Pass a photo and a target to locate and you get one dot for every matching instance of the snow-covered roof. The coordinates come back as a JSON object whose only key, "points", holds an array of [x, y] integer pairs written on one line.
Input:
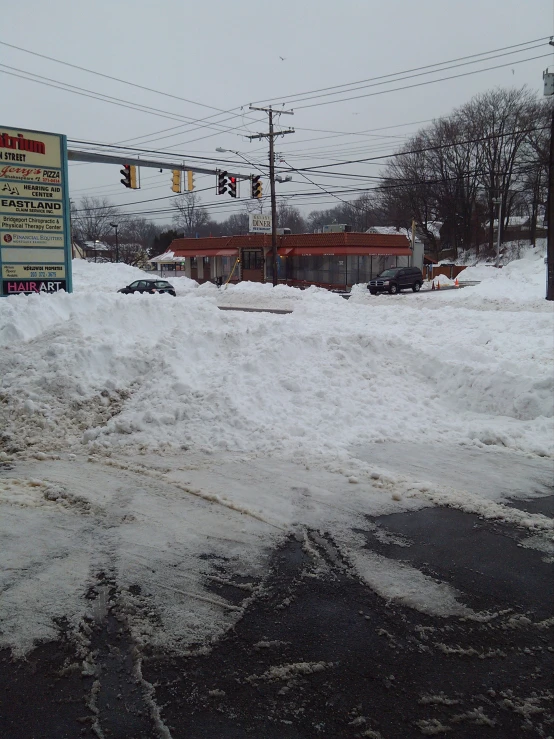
{"points": [[389, 230], [167, 257], [96, 245], [433, 227]]}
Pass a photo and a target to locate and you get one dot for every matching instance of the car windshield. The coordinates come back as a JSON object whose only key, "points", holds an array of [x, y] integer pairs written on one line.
{"points": [[389, 273]]}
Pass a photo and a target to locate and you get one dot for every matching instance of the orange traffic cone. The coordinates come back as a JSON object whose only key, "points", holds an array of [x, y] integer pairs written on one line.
{"points": [[456, 283], [433, 287], [438, 284]]}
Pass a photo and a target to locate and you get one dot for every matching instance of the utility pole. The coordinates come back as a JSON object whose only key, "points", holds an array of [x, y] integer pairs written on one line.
{"points": [[498, 201], [115, 225], [271, 136], [548, 78]]}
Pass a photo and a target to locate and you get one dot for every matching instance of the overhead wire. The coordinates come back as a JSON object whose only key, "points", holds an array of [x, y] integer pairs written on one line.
{"points": [[403, 72]]}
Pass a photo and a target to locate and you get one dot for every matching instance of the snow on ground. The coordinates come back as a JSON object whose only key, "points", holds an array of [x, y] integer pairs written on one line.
{"points": [[108, 277], [147, 432]]}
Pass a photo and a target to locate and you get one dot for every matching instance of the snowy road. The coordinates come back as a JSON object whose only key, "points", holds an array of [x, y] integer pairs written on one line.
{"points": [[261, 596]]}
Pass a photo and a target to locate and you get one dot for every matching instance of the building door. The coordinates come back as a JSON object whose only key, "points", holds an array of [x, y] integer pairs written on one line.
{"points": [[252, 265], [207, 269]]}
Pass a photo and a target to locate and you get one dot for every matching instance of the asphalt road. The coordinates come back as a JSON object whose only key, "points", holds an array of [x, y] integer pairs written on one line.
{"points": [[349, 663]]}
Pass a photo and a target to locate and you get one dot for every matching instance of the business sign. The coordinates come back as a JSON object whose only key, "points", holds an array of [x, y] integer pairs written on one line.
{"points": [[258, 223], [35, 237]]}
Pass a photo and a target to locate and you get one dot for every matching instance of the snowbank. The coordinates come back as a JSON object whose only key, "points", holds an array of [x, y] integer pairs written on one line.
{"points": [[157, 371], [110, 277]]}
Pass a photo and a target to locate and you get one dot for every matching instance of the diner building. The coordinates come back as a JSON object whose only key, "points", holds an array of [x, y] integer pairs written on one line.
{"points": [[331, 260]]}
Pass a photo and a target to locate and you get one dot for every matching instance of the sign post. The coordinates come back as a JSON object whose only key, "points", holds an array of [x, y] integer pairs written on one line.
{"points": [[35, 234]]}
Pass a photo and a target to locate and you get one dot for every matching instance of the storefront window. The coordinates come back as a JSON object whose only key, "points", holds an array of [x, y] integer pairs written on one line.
{"points": [[252, 260]]}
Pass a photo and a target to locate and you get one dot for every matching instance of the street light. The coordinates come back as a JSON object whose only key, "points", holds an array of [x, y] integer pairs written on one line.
{"points": [[498, 201], [114, 225]]}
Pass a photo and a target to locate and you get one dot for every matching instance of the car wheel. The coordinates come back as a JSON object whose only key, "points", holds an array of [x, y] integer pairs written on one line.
{"points": [[416, 287], [393, 289]]}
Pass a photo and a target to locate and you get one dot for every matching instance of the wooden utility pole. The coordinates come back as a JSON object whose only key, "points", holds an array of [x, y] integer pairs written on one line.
{"points": [[271, 136], [550, 210], [548, 78]]}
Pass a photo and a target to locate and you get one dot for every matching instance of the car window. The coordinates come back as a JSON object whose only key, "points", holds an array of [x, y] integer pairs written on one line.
{"points": [[161, 284], [134, 285], [389, 273], [142, 284]]}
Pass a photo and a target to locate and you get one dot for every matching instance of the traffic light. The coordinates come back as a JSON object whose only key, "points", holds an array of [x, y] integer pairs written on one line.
{"points": [[190, 181], [176, 180], [256, 186], [221, 183], [233, 187], [129, 179]]}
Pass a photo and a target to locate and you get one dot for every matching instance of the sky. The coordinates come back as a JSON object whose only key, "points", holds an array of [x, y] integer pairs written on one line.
{"points": [[213, 59]]}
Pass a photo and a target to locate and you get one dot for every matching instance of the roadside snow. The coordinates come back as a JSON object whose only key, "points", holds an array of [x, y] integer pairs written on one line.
{"points": [[109, 277]]}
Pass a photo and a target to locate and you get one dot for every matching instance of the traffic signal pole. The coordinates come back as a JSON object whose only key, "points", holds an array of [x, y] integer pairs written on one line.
{"points": [[271, 136]]}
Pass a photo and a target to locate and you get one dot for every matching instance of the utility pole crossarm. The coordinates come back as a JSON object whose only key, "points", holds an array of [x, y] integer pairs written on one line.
{"points": [[266, 135]]}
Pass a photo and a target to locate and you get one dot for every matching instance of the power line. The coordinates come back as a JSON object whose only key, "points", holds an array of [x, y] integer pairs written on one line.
{"points": [[427, 82], [488, 137], [118, 79], [403, 72], [102, 97], [421, 74]]}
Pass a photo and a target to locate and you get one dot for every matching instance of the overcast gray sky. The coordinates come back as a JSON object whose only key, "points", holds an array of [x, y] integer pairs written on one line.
{"points": [[224, 55]]}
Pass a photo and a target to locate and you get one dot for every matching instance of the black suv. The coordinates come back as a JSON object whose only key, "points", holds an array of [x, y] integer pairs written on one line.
{"points": [[395, 279], [148, 286]]}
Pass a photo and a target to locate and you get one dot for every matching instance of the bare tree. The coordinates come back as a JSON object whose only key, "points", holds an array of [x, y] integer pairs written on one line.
{"points": [[91, 218], [139, 231], [290, 217], [238, 223], [190, 216], [452, 171]]}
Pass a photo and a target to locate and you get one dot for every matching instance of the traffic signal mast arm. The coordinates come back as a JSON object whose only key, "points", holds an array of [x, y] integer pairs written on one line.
{"points": [[85, 156]]}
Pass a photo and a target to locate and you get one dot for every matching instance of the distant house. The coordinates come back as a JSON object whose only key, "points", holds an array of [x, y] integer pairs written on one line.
{"points": [[97, 251]]}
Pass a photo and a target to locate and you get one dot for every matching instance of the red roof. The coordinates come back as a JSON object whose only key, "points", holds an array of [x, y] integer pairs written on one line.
{"points": [[296, 244]]}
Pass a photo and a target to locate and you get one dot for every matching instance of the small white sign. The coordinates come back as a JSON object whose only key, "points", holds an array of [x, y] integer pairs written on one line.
{"points": [[258, 223]]}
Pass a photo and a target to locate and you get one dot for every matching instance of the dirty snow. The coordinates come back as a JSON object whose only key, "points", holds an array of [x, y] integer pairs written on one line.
{"points": [[141, 433]]}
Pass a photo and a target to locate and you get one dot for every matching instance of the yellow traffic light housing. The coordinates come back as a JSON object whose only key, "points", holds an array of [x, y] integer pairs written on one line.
{"points": [[129, 179], [190, 181], [176, 180]]}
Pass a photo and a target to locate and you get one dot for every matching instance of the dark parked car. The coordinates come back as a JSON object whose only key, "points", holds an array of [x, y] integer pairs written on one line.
{"points": [[395, 279], [148, 286]]}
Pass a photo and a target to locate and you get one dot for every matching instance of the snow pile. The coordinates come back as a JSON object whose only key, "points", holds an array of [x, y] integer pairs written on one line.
{"points": [[442, 280], [110, 277], [510, 251], [521, 283], [478, 273], [140, 370]]}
